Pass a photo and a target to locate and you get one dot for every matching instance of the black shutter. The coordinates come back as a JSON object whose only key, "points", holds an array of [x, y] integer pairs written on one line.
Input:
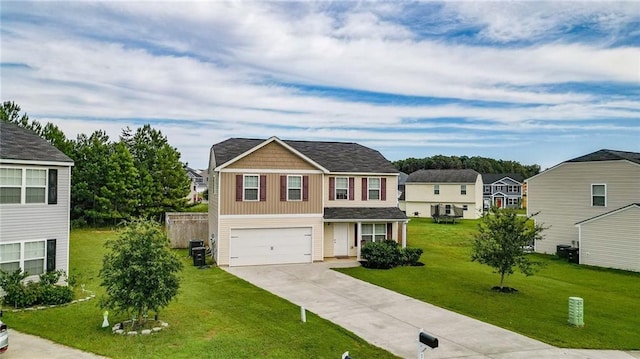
{"points": [[51, 255], [53, 186]]}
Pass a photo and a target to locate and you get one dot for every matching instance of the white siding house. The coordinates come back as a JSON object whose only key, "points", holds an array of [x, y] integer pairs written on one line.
{"points": [[587, 203], [35, 195]]}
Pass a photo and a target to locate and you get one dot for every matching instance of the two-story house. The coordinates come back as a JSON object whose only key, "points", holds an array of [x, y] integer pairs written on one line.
{"points": [[198, 184], [451, 189], [35, 194], [502, 190], [591, 202], [279, 201]]}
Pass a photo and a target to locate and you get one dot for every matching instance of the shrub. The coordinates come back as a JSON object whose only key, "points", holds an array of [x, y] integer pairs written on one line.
{"points": [[410, 256], [387, 254], [45, 291]]}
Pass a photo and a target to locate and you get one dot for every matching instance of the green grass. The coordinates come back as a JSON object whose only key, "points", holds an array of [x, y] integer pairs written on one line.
{"points": [[539, 310], [199, 207], [216, 315]]}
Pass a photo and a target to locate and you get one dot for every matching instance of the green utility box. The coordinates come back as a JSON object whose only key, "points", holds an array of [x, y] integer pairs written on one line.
{"points": [[576, 311]]}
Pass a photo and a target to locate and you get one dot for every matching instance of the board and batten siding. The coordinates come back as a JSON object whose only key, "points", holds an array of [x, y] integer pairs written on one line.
{"points": [[37, 222], [612, 241], [272, 204], [257, 222], [562, 196]]}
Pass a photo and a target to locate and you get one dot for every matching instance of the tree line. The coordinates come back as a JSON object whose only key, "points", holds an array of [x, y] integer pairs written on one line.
{"points": [[479, 164], [138, 175]]}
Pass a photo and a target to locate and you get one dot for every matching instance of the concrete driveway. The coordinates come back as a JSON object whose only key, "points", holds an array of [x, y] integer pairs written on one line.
{"points": [[392, 321], [22, 346]]}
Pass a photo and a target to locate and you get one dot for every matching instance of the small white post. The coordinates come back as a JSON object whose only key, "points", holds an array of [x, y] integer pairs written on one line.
{"points": [[303, 314], [345, 355], [421, 347], [105, 322]]}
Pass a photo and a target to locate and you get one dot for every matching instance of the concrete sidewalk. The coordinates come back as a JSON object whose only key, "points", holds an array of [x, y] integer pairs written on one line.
{"points": [[23, 346], [392, 321]]}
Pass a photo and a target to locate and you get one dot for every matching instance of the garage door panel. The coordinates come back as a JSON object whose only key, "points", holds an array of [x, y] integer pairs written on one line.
{"points": [[270, 246]]}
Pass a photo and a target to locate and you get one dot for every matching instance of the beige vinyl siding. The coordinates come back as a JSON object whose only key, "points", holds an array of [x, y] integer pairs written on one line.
{"points": [[30, 222], [612, 241], [562, 195], [391, 199], [419, 197], [272, 156], [227, 224], [214, 202], [273, 204]]}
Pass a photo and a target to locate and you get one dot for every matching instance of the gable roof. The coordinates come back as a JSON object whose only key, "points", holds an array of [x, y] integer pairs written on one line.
{"points": [[608, 155], [332, 156], [488, 178], [443, 176], [607, 213], [19, 144]]}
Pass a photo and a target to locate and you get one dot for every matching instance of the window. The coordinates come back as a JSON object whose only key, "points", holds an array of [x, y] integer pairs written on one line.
{"points": [[30, 256], [598, 195], [374, 188], [374, 232], [436, 189], [251, 187], [10, 257], [487, 189], [447, 209], [514, 189], [10, 185], [465, 207], [36, 186], [294, 188], [463, 189], [512, 201], [342, 188]]}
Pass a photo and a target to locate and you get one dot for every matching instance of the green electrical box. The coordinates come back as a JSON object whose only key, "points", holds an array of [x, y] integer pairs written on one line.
{"points": [[576, 311]]}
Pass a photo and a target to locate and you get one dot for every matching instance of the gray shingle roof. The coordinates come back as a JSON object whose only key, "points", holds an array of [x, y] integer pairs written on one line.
{"points": [[17, 143], [608, 155], [493, 177], [443, 176], [334, 156], [358, 213]]}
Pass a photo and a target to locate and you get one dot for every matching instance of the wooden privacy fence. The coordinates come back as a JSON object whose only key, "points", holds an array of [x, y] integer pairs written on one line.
{"points": [[182, 227]]}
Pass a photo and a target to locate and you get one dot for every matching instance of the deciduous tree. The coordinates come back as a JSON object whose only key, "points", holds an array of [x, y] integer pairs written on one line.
{"points": [[501, 243]]}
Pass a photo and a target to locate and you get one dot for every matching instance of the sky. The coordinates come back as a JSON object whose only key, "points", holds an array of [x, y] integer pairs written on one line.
{"points": [[533, 82]]}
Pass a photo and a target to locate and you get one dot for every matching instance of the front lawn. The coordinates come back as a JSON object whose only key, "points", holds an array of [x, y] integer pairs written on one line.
{"points": [[216, 315], [539, 310]]}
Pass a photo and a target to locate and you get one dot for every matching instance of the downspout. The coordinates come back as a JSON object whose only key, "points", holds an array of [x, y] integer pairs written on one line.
{"points": [[359, 239]]}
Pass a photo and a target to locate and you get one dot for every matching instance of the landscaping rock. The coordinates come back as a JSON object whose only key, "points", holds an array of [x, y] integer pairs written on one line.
{"points": [[119, 331], [146, 332], [156, 329], [164, 325], [132, 333]]}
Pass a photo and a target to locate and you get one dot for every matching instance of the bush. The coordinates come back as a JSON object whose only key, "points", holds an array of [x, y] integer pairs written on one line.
{"points": [[410, 256], [43, 292]]}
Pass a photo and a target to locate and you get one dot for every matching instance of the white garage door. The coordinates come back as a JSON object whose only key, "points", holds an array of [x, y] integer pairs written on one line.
{"points": [[270, 246]]}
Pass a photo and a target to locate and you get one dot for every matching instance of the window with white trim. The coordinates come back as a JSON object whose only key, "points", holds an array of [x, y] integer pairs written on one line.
{"points": [[374, 232], [447, 209], [251, 187], [436, 189], [374, 188], [463, 189], [342, 187], [487, 189], [465, 207], [30, 256], [10, 185], [512, 201], [294, 188], [599, 195]]}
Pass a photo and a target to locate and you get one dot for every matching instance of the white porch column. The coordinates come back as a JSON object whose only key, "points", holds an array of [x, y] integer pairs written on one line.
{"points": [[359, 239], [404, 234]]}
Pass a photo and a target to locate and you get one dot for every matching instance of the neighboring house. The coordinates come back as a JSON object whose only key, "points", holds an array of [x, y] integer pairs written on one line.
{"points": [[278, 201], [402, 180], [503, 190], [35, 194], [591, 202], [198, 184], [448, 188]]}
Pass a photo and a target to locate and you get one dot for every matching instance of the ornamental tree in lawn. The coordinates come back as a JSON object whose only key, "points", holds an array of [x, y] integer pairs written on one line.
{"points": [[140, 271], [501, 243]]}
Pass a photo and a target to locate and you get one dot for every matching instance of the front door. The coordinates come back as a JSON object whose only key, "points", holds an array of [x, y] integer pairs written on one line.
{"points": [[340, 239], [499, 202]]}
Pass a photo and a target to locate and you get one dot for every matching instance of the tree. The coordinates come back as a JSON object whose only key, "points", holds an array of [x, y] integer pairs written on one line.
{"points": [[501, 241], [140, 272], [163, 182]]}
